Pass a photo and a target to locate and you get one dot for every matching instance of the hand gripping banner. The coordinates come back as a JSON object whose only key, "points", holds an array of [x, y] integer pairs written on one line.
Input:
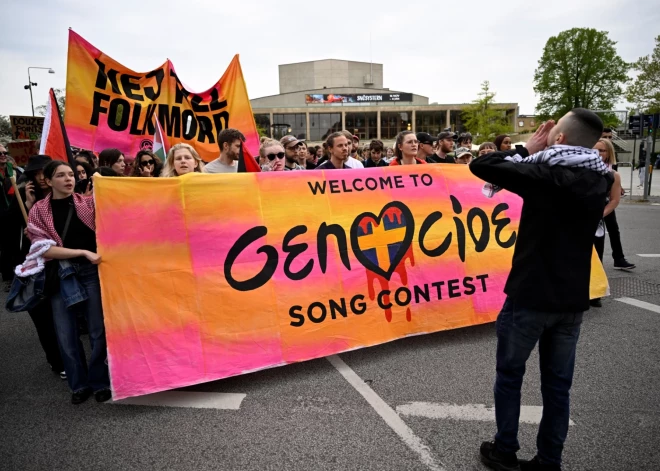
{"points": [[209, 276]]}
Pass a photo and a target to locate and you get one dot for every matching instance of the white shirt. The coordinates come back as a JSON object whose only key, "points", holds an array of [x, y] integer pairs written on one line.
{"points": [[352, 162]]}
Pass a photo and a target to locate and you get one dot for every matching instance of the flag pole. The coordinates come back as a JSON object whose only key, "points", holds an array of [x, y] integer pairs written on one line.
{"points": [[12, 177]]}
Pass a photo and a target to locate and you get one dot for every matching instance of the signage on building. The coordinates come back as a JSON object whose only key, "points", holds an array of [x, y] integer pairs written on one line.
{"points": [[358, 98]]}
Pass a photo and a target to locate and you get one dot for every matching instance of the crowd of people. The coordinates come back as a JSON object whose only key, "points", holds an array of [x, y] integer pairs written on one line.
{"points": [[60, 227]]}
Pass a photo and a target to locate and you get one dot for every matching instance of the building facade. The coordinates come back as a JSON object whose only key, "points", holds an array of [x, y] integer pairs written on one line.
{"points": [[320, 97]]}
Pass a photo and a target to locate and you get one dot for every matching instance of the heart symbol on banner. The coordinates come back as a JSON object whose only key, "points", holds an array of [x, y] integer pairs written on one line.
{"points": [[380, 242]]}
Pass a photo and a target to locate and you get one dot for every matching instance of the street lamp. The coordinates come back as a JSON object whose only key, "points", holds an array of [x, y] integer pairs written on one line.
{"points": [[34, 84]]}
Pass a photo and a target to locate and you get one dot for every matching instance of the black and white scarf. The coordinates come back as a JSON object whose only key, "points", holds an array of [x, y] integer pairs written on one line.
{"points": [[566, 156]]}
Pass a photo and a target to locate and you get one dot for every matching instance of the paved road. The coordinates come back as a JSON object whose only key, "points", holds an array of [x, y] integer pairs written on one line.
{"points": [[308, 416]]}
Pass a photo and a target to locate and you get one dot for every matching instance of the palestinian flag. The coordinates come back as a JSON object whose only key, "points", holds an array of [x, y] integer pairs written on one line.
{"points": [[161, 146], [54, 141]]}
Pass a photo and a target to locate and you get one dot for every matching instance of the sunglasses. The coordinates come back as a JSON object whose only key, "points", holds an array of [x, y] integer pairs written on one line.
{"points": [[4, 153], [144, 163], [279, 155]]}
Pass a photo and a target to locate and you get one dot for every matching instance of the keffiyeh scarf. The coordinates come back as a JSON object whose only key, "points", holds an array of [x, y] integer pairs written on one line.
{"points": [[566, 156]]}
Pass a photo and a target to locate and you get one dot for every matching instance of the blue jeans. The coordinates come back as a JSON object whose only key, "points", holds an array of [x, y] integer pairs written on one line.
{"points": [[518, 330], [79, 375]]}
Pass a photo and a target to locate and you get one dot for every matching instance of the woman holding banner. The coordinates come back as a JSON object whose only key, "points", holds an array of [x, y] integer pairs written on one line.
{"points": [[181, 159], [272, 153], [405, 149], [64, 222]]}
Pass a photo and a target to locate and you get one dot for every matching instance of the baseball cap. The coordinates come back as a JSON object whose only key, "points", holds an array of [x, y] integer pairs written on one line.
{"points": [[461, 151], [355, 138], [447, 135], [288, 141], [426, 138]]}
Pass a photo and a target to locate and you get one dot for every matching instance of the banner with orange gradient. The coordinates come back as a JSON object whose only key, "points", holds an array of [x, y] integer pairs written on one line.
{"points": [[209, 276], [109, 105]]}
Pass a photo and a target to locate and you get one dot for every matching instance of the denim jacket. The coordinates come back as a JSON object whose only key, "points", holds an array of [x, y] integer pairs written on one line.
{"points": [[27, 292]]}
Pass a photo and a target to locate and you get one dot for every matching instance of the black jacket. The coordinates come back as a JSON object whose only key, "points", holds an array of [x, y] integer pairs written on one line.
{"points": [[561, 210]]}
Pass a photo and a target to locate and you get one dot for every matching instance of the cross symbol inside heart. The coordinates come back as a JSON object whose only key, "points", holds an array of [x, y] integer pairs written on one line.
{"points": [[380, 242]]}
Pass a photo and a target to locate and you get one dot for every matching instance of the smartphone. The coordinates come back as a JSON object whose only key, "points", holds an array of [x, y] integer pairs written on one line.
{"points": [[81, 185]]}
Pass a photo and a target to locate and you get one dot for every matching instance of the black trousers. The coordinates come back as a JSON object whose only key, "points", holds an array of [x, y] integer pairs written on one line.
{"points": [[42, 317], [599, 243], [615, 236]]}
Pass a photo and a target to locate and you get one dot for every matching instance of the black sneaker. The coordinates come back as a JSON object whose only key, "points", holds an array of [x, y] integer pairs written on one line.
{"points": [[535, 465], [102, 395], [596, 303], [498, 460], [623, 264], [80, 396]]}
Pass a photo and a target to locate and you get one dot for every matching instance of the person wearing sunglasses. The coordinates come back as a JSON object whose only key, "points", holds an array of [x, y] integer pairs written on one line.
{"points": [[291, 146], [147, 164], [272, 154]]}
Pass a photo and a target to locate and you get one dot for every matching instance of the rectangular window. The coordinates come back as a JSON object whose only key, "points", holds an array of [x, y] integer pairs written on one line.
{"points": [[391, 123], [363, 125], [321, 125], [431, 122], [289, 123]]}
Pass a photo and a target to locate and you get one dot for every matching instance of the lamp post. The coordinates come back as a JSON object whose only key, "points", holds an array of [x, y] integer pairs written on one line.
{"points": [[34, 84]]}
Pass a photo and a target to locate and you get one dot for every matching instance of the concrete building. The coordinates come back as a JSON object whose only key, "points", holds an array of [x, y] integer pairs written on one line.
{"points": [[319, 97]]}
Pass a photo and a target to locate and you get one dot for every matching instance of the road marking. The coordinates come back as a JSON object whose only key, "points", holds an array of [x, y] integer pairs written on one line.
{"points": [[477, 412], [196, 400], [387, 414], [638, 303], [649, 255]]}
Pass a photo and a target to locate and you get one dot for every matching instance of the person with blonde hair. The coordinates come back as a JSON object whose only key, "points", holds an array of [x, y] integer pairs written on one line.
{"points": [[606, 150], [272, 154], [181, 159]]}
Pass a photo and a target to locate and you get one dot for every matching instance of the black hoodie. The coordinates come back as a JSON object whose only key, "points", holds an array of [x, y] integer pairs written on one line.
{"points": [[561, 209]]}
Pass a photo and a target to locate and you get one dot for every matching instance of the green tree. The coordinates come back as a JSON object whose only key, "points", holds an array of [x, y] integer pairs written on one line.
{"points": [[483, 119], [60, 95], [644, 92], [579, 68], [5, 130]]}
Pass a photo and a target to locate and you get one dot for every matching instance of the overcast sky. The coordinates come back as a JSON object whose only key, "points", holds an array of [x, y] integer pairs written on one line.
{"points": [[442, 50]]}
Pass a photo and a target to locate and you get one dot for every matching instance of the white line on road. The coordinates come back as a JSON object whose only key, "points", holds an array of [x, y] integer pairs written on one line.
{"points": [[649, 255], [638, 303], [196, 400], [387, 414], [477, 412]]}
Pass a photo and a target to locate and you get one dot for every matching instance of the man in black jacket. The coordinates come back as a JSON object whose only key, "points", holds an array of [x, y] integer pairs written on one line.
{"points": [[548, 286]]}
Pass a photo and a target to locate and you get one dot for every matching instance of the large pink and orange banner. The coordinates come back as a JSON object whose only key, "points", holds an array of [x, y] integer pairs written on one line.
{"points": [[110, 105], [209, 276]]}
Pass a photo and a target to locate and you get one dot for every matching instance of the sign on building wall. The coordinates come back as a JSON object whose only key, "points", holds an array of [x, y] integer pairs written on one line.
{"points": [[358, 98]]}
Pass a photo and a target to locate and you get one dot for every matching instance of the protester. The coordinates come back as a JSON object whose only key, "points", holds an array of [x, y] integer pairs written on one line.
{"points": [[302, 154], [465, 140], [147, 164], [463, 155], [375, 155], [83, 170], [355, 147], [319, 152], [88, 157], [606, 150], [272, 152], [311, 161], [366, 154], [445, 146], [563, 189], [607, 134], [405, 150], [183, 158], [353, 142], [32, 190], [114, 159], [389, 154], [486, 148], [426, 143], [65, 220], [9, 232], [503, 142], [338, 146], [291, 146], [230, 142]]}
